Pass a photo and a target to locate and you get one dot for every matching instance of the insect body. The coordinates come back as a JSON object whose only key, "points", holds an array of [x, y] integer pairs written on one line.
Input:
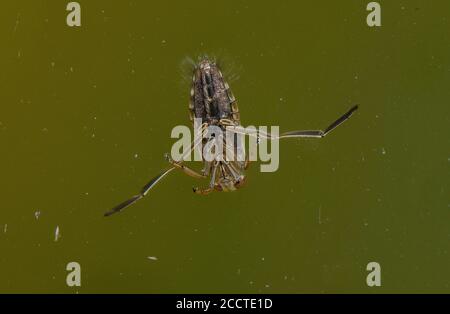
{"points": [[213, 104]]}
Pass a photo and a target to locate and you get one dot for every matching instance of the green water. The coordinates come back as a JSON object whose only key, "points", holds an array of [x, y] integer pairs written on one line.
{"points": [[86, 115]]}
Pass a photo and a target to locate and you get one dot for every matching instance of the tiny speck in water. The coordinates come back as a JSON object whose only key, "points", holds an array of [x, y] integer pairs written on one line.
{"points": [[37, 214], [152, 258]]}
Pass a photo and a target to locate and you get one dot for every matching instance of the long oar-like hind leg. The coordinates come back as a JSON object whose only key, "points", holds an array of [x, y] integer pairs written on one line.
{"points": [[320, 133], [143, 192], [304, 133], [155, 180]]}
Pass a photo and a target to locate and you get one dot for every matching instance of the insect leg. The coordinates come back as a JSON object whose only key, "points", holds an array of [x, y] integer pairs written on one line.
{"points": [[141, 194], [179, 164], [203, 191], [185, 169], [209, 189], [247, 162], [320, 133], [304, 133], [154, 181]]}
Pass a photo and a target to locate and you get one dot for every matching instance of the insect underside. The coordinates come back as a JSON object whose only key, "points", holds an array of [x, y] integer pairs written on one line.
{"points": [[212, 103]]}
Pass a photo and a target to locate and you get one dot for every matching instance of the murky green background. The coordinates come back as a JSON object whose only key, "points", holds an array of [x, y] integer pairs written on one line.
{"points": [[86, 115]]}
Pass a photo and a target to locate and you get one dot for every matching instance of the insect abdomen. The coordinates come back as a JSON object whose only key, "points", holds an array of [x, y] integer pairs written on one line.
{"points": [[211, 97]]}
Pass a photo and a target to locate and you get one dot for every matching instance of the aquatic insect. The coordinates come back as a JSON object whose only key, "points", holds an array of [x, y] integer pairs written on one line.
{"points": [[213, 103]]}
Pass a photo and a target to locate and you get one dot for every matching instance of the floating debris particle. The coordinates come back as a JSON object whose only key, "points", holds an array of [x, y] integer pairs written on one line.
{"points": [[57, 234], [16, 25], [37, 214], [152, 258], [5, 228], [383, 151]]}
